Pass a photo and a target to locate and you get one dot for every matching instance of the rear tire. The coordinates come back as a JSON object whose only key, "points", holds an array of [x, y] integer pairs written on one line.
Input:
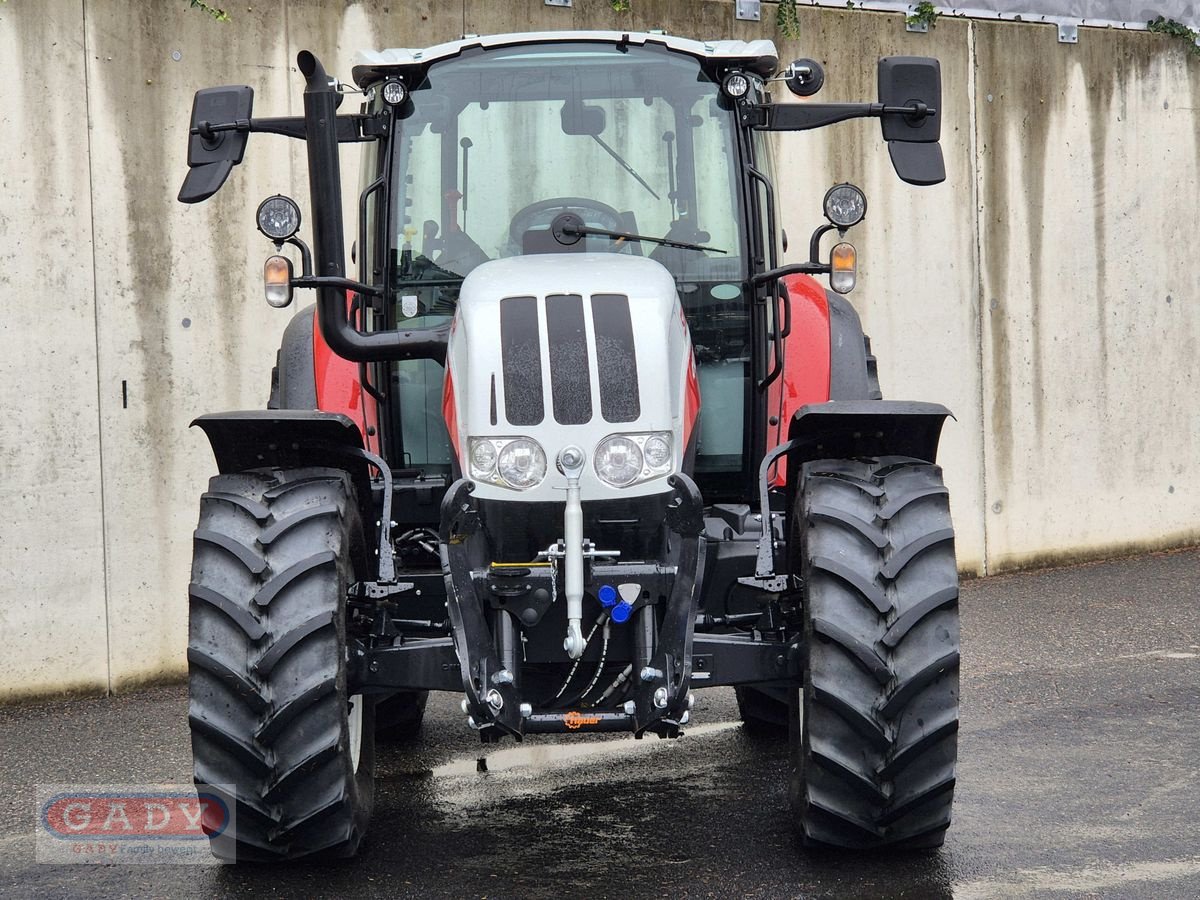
{"points": [[763, 713], [270, 712], [399, 717], [873, 734]]}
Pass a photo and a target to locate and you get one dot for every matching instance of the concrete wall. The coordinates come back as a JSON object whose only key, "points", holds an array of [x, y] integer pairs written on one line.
{"points": [[1046, 292]]}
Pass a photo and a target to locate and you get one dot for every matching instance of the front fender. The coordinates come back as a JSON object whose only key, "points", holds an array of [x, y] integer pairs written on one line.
{"points": [[845, 429], [286, 439]]}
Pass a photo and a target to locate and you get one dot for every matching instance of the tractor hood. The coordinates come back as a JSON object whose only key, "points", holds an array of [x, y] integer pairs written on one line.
{"points": [[566, 350]]}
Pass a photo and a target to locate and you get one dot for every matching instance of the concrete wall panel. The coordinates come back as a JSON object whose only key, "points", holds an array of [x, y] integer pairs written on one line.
{"points": [[52, 617], [1045, 292], [1088, 171], [183, 329], [918, 276]]}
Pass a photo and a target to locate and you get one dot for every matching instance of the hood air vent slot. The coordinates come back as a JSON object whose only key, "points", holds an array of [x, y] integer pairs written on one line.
{"points": [[616, 361], [521, 354], [570, 375]]}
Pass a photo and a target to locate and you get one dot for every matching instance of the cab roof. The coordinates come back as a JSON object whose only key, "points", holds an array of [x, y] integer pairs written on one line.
{"points": [[759, 57]]}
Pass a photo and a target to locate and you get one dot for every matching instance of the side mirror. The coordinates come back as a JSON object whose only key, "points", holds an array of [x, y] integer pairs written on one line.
{"points": [[804, 77], [913, 140], [212, 154]]}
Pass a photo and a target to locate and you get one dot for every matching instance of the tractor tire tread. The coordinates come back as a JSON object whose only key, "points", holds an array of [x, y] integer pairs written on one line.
{"points": [[267, 658], [874, 759]]}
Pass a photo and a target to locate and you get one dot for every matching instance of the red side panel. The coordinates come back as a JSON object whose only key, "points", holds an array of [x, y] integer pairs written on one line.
{"points": [[339, 390], [691, 401], [805, 377], [450, 411]]}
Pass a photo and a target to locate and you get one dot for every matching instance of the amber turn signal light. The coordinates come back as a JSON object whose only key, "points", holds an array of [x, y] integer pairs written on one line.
{"points": [[277, 281], [843, 267]]}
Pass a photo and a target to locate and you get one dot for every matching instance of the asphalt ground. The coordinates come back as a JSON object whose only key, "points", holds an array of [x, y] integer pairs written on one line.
{"points": [[1078, 776]]}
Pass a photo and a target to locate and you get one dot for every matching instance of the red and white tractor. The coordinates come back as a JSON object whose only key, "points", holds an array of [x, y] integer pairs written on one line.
{"points": [[571, 440]]}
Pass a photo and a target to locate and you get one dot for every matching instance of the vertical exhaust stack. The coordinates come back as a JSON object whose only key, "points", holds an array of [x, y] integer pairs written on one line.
{"points": [[325, 188]]}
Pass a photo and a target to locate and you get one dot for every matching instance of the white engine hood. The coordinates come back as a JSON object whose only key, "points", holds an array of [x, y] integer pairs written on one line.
{"points": [[569, 381]]}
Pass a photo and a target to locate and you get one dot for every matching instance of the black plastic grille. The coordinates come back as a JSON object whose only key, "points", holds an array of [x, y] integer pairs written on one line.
{"points": [[521, 356], [616, 361], [570, 375]]}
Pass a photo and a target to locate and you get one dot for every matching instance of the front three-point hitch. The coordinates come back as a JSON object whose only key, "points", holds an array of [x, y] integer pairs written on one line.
{"points": [[488, 610]]}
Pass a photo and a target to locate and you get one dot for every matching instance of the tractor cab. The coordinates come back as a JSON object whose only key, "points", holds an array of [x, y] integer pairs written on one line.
{"points": [[572, 441], [495, 144]]}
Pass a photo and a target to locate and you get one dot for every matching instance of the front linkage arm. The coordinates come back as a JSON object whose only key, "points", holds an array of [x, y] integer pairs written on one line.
{"points": [[661, 696], [493, 700]]}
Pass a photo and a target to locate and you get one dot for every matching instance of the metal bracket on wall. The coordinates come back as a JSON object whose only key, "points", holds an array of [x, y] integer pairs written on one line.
{"points": [[558, 2], [751, 10], [1068, 33]]}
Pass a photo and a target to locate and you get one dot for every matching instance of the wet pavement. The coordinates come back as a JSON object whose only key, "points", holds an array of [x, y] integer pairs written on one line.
{"points": [[1078, 776]]}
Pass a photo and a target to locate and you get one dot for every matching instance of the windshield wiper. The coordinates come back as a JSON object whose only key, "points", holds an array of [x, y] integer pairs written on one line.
{"points": [[568, 226], [624, 165]]}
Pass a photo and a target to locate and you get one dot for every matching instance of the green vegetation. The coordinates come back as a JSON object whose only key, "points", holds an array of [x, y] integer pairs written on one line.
{"points": [[787, 20], [924, 14], [1159, 25]]}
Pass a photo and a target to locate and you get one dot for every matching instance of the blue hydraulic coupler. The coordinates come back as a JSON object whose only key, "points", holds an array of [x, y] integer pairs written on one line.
{"points": [[621, 612]]}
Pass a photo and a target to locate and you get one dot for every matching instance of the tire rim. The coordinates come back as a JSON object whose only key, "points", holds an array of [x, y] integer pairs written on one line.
{"points": [[354, 725]]}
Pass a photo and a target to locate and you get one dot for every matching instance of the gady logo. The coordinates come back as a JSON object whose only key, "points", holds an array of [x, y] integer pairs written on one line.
{"points": [[138, 816]]}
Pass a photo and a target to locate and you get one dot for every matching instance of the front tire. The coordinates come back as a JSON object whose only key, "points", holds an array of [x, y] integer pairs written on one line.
{"points": [[270, 710], [873, 735]]}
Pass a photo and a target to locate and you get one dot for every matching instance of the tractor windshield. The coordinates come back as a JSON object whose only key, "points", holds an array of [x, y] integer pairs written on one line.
{"points": [[495, 144]]}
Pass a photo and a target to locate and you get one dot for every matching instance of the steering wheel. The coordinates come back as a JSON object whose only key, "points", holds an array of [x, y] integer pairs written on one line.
{"points": [[593, 212]]}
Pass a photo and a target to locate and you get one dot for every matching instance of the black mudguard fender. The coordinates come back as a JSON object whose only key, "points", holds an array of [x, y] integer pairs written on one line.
{"points": [[844, 429], [285, 439], [298, 439]]}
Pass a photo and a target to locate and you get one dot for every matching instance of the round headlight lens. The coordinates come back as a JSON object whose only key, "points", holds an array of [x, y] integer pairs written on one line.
{"points": [[657, 451], [483, 458], [278, 217], [845, 205], [522, 463], [618, 461]]}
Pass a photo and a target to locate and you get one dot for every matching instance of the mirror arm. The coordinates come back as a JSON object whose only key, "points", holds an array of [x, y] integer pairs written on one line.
{"points": [[338, 283], [804, 268], [350, 129], [806, 116]]}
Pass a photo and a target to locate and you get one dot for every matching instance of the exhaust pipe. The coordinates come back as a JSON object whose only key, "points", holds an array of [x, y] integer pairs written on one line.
{"points": [[325, 189]]}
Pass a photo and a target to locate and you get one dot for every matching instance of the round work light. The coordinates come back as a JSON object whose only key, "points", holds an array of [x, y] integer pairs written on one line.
{"points": [[278, 218]]}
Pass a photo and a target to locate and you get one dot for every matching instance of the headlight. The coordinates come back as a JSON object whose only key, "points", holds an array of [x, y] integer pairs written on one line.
{"points": [[618, 461], [522, 464], [518, 463], [278, 218], [657, 451], [483, 457], [625, 459], [845, 205]]}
